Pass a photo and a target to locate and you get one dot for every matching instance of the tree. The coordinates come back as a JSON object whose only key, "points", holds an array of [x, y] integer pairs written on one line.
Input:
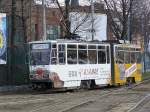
{"points": [[69, 6], [65, 23], [142, 14], [64, 15], [118, 12]]}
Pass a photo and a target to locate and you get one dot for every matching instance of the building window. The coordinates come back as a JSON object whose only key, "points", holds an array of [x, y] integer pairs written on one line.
{"points": [[53, 32], [53, 13]]}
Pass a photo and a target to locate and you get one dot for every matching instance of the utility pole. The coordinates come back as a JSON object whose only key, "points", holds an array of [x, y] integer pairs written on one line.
{"points": [[145, 35], [44, 20], [92, 16]]}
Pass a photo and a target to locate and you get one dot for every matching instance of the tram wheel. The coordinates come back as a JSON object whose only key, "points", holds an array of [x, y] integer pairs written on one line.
{"points": [[93, 84], [88, 84], [130, 81]]}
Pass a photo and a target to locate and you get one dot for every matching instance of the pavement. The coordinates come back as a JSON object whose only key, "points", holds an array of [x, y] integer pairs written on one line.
{"points": [[14, 88]]}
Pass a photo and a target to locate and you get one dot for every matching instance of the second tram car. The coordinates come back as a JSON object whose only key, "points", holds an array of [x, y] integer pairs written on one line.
{"points": [[73, 64]]}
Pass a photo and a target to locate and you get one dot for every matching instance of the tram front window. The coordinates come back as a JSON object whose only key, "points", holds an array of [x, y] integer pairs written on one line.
{"points": [[40, 57]]}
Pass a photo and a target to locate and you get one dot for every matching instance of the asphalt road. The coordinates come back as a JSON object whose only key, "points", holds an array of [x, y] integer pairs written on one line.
{"points": [[134, 99]]}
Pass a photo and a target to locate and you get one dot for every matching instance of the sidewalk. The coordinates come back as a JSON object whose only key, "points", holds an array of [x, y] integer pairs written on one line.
{"points": [[14, 88]]}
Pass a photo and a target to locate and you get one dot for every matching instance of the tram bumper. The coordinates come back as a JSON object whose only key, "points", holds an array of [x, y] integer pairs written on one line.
{"points": [[46, 77], [57, 82]]}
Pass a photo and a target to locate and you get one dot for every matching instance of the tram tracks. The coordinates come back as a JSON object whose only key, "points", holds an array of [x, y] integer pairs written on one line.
{"points": [[67, 102], [68, 105], [139, 103], [77, 102], [89, 101]]}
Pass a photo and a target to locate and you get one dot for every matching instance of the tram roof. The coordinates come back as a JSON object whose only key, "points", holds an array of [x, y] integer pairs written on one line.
{"points": [[84, 42], [68, 41]]}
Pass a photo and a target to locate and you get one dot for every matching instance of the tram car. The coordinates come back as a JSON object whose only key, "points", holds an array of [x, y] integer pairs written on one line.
{"points": [[77, 64]]}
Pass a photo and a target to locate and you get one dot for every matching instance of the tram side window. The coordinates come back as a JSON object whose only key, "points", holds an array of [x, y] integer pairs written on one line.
{"points": [[138, 57], [92, 56], [82, 54], [101, 56], [61, 54], [127, 57], [133, 57], [72, 54], [120, 57]]}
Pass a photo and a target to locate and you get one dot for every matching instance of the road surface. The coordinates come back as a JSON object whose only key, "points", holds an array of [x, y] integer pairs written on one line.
{"points": [[124, 99]]}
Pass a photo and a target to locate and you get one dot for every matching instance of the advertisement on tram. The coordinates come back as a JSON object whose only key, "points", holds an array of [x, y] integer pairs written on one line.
{"points": [[3, 38]]}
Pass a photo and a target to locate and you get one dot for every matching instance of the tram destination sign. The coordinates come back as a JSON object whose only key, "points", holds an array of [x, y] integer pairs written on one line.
{"points": [[3, 39], [40, 46]]}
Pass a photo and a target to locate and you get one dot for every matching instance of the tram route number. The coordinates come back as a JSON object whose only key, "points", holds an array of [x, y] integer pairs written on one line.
{"points": [[72, 73]]}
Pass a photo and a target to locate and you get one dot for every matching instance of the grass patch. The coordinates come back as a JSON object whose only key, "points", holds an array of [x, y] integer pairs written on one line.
{"points": [[146, 75]]}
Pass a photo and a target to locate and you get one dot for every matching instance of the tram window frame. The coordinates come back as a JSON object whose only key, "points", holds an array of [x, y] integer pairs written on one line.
{"points": [[126, 49], [72, 48], [100, 47], [54, 45], [82, 47], [62, 51], [92, 59], [102, 60], [82, 60], [92, 47], [120, 48]]}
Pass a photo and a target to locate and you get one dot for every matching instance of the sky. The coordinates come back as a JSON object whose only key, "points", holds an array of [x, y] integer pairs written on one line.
{"points": [[81, 2]]}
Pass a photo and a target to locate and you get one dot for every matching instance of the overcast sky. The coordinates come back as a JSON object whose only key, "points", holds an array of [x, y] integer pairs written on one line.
{"points": [[81, 2]]}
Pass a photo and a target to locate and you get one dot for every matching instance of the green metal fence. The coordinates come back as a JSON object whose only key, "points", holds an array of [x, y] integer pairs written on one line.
{"points": [[16, 71], [20, 70]]}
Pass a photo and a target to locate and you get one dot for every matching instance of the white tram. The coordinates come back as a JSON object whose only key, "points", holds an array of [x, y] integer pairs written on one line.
{"points": [[71, 64]]}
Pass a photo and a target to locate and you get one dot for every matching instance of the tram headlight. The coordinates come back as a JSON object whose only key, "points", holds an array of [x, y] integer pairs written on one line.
{"points": [[46, 74]]}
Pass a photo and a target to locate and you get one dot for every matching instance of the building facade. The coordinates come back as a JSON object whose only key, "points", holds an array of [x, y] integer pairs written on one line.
{"points": [[29, 16]]}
